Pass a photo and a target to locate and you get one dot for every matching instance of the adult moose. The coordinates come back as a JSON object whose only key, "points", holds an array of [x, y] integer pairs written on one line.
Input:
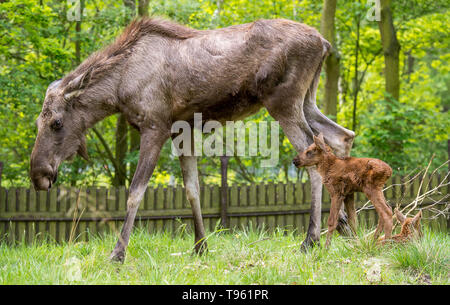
{"points": [[158, 72]]}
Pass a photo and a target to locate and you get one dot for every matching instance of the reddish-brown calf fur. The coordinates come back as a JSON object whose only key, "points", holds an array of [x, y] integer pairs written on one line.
{"points": [[344, 176]]}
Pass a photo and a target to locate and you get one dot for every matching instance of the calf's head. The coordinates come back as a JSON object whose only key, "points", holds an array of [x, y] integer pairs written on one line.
{"points": [[410, 225], [60, 136], [314, 154]]}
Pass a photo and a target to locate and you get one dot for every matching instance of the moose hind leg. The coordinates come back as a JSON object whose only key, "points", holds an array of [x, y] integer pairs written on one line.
{"points": [[190, 177], [295, 126], [338, 137]]}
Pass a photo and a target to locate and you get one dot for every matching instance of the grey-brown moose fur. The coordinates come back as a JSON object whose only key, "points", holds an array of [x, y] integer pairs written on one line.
{"points": [[158, 72]]}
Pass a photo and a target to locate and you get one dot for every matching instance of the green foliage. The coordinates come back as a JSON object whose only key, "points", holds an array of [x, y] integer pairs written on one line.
{"points": [[393, 131], [37, 46]]}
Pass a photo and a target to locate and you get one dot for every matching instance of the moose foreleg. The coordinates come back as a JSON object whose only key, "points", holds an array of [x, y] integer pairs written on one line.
{"points": [[296, 128], [313, 233], [151, 143]]}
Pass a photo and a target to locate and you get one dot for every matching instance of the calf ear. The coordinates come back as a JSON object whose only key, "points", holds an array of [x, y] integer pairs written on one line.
{"points": [[416, 219], [320, 142], [400, 216]]}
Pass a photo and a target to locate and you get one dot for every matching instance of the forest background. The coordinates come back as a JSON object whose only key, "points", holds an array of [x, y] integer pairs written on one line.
{"points": [[387, 79]]}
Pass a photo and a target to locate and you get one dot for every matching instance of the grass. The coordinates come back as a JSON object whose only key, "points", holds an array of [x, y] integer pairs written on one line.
{"points": [[239, 257]]}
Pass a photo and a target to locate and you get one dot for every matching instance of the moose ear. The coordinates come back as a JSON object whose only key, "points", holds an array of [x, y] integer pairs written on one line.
{"points": [[76, 85], [417, 218], [82, 150], [68, 96], [320, 142], [400, 216]]}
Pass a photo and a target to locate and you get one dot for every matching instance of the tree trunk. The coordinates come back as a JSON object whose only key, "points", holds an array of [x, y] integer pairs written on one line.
{"points": [[121, 150], [135, 141], [135, 137], [130, 5], [143, 8], [391, 49], [356, 79], [122, 126], [332, 61], [216, 14], [78, 35]]}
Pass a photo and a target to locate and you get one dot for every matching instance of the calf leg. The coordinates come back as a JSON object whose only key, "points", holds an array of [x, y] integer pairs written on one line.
{"points": [[190, 177], [336, 203], [379, 227], [384, 212], [151, 142], [349, 203]]}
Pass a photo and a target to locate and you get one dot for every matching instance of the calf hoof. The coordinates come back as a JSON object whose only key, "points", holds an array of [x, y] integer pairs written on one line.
{"points": [[201, 247], [117, 256], [309, 243]]}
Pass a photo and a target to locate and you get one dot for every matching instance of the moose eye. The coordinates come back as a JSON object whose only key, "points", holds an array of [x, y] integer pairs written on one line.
{"points": [[309, 153], [57, 124]]}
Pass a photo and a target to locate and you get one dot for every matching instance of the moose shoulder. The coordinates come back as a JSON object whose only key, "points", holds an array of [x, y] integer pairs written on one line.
{"points": [[158, 72]]}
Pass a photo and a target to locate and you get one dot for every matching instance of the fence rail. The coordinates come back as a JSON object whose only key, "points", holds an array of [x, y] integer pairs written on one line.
{"points": [[28, 215]]}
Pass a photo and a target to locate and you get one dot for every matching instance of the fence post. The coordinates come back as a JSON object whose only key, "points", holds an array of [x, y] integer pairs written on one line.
{"points": [[224, 191]]}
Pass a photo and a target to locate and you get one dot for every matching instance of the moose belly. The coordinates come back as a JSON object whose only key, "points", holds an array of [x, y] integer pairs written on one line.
{"points": [[227, 108]]}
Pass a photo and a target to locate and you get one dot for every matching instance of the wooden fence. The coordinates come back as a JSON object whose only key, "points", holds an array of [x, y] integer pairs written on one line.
{"points": [[28, 215]]}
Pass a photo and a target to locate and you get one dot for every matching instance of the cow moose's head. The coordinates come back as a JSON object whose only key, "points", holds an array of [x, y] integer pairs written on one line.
{"points": [[60, 136]]}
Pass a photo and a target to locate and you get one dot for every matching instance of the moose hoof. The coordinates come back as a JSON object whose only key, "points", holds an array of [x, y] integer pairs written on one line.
{"points": [[309, 243], [117, 256], [343, 226], [201, 247]]}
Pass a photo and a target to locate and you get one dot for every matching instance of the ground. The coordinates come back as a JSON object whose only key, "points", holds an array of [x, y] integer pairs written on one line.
{"points": [[238, 257]]}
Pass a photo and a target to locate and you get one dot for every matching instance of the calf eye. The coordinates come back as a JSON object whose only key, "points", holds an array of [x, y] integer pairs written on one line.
{"points": [[309, 153], [57, 124]]}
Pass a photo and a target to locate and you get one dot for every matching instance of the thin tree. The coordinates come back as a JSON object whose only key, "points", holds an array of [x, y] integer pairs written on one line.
{"points": [[135, 137], [78, 35], [391, 49], [356, 83], [143, 7], [121, 138], [327, 28]]}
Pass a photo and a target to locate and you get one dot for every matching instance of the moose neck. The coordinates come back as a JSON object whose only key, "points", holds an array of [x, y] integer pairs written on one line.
{"points": [[101, 102]]}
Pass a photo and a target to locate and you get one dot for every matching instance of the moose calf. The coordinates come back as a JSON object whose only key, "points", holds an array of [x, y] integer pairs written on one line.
{"points": [[344, 176], [410, 227]]}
